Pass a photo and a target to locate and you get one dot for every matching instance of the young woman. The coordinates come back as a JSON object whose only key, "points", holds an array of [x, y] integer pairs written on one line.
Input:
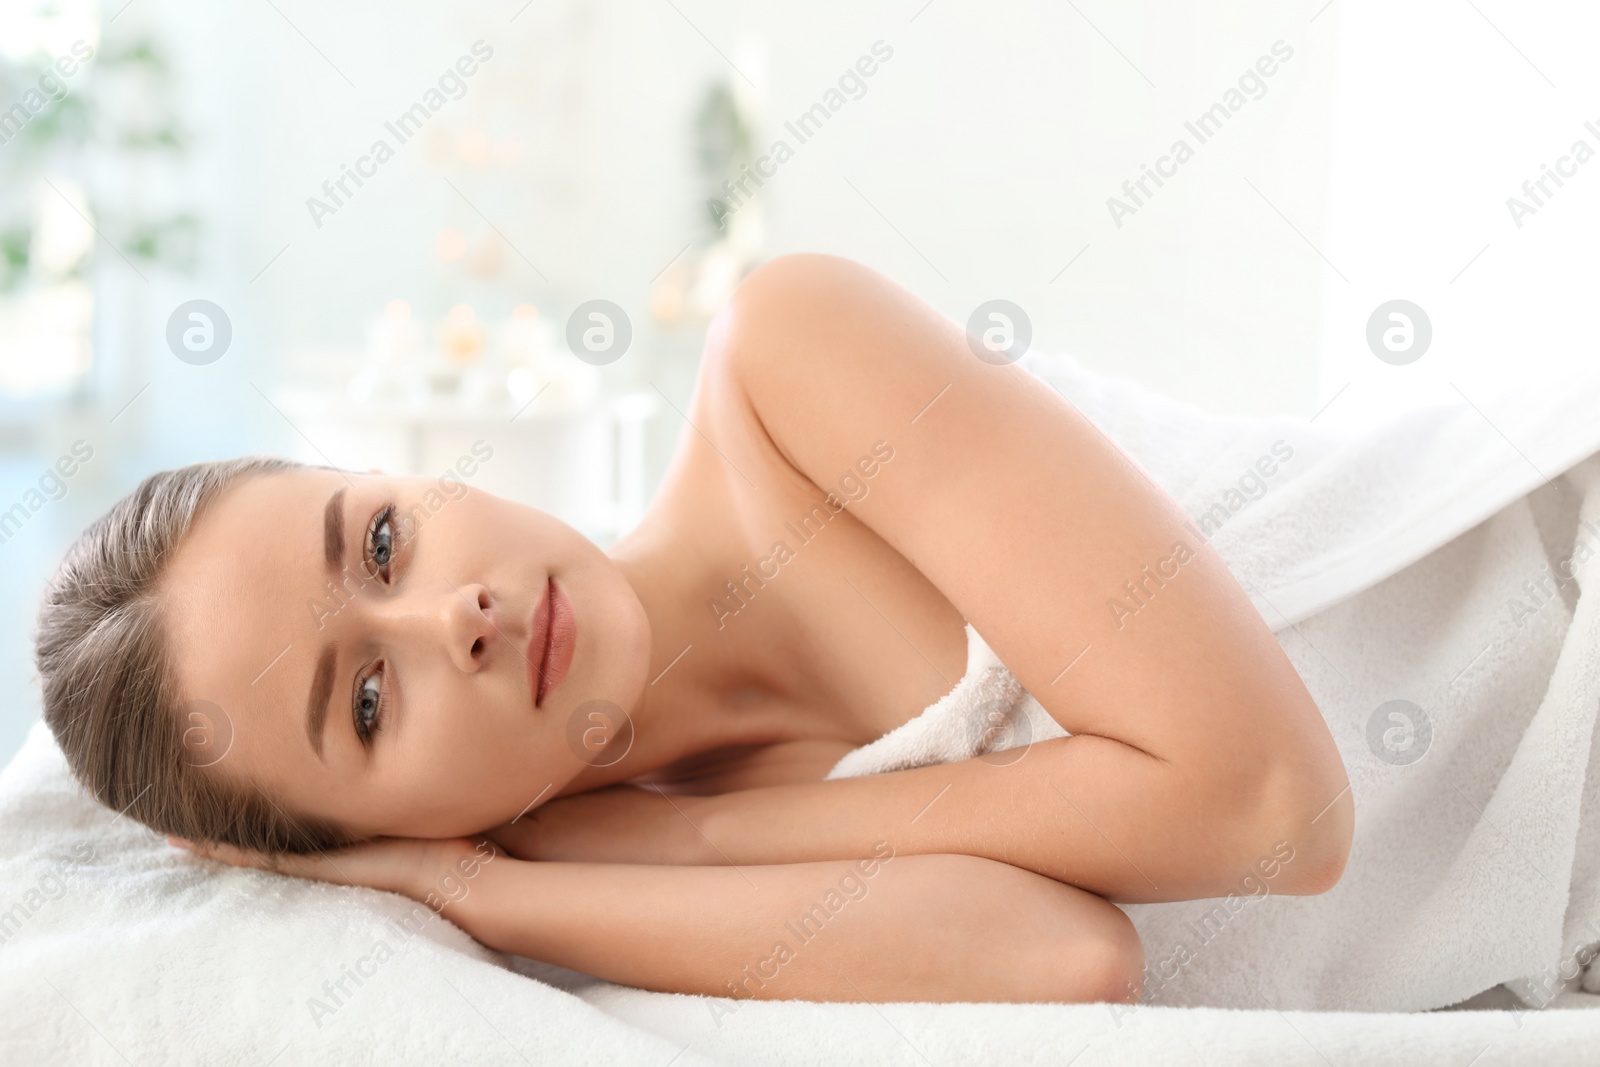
{"points": [[615, 761]]}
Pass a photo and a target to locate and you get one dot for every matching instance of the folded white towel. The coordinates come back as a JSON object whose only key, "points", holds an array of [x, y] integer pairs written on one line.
{"points": [[987, 711], [1465, 721]]}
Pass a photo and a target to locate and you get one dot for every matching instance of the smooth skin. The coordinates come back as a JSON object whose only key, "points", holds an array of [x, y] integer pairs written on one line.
{"points": [[1197, 756]]}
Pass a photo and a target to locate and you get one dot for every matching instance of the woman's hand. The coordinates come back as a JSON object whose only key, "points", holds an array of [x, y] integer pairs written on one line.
{"points": [[435, 872], [616, 824]]}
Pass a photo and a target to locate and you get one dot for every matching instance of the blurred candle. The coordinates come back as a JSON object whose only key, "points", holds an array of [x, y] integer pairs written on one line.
{"points": [[461, 338]]}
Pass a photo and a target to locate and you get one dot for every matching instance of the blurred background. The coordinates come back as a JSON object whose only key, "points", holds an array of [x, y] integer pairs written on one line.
{"points": [[376, 234]]}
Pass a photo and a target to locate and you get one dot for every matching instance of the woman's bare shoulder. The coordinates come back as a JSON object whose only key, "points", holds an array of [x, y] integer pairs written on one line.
{"points": [[1021, 511]]}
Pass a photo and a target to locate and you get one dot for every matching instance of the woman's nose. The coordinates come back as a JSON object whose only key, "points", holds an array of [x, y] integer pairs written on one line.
{"points": [[468, 628], [457, 618]]}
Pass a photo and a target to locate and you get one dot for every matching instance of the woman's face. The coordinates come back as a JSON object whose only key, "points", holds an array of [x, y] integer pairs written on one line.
{"points": [[367, 641]]}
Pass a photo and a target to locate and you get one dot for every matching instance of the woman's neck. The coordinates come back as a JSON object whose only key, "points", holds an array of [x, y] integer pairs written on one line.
{"points": [[687, 703]]}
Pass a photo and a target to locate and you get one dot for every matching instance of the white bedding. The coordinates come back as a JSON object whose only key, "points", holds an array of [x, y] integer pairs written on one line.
{"points": [[119, 949], [145, 957]]}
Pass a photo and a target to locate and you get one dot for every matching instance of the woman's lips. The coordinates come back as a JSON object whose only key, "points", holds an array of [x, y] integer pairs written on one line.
{"points": [[554, 639]]}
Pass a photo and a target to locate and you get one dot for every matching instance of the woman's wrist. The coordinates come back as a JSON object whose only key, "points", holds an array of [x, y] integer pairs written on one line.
{"points": [[617, 824], [449, 873], [503, 904]]}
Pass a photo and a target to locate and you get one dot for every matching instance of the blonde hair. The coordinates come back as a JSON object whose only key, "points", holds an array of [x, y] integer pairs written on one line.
{"points": [[110, 696]]}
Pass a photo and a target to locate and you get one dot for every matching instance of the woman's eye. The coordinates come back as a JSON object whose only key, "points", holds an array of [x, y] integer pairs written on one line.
{"points": [[380, 539], [369, 705]]}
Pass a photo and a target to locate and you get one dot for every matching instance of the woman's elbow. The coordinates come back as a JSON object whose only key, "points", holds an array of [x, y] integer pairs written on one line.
{"points": [[1330, 850], [1081, 963], [1117, 973], [1311, 836]]}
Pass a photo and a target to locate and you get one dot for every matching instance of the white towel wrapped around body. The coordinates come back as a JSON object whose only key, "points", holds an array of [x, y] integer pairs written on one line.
{"points": [[1427, 583]]}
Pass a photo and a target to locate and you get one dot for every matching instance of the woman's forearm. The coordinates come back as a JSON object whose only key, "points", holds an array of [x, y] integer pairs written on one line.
{"points": [[1083, 810], [940, 928]]}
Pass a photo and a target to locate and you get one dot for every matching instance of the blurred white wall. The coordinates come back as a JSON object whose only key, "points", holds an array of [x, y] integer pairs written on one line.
{"points": [[977, 163], [1443, 111]]}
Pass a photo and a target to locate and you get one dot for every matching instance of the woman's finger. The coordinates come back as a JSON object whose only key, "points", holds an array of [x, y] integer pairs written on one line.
{"points": [[411, 867], [240, 857]]}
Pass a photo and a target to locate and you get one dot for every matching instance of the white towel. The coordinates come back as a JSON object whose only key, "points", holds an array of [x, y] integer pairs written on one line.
{"points": [[1477, 863], [987, 711], [135, 952], [116, 947]]}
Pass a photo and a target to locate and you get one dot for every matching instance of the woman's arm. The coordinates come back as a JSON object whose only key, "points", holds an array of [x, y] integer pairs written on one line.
{"points": [[930, 928], [1046, 812], [1051, 812], [1192, 729], [882, 927]]}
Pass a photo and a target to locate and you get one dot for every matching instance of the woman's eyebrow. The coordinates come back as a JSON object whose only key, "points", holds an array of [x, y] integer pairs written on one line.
{"points": [[333, 530], [322, 679], [317, 704]]}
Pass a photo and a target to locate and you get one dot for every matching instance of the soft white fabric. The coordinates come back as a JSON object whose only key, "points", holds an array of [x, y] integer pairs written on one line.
{"points": [[987, 711], [121, 949], [140, 954], [118, 948], [1476, 864]]}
